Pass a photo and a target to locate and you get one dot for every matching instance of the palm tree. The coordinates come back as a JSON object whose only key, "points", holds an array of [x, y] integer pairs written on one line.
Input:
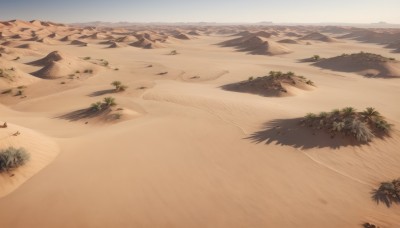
{"points": [[349, 111], [290, 73], [109, 101], [370, 114], [383, 125]]}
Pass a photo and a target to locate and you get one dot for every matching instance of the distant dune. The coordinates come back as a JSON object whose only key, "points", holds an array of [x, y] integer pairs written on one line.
{"points": [[256, 45], [367, 64], [316, 36]]}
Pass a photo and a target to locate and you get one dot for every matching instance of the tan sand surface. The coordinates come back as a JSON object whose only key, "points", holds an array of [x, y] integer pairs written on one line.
{"points": [[186, 152]]}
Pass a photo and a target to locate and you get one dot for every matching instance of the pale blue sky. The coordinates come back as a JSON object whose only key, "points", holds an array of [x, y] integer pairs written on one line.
{"points": [[296, 11]]}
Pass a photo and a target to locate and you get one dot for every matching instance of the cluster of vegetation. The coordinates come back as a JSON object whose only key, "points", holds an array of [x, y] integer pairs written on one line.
{"points": [[276, 75], [369, 57], [273, 84], [87, 58], [119, 87], [363, 126], [12, 158], [107, 103]]}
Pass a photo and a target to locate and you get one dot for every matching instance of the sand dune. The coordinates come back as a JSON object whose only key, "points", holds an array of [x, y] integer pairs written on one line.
{"points": [[12, 75], [395, 46], [42, 151], [288, 41], [182, 36], [256, 45], [79, 43], [126, 39], [194, 140], [27, 46], [284, 84], [56, 65], [380, 37], [115, 45], [316, 36], [367, 64], [146, 44], [194, 33]]}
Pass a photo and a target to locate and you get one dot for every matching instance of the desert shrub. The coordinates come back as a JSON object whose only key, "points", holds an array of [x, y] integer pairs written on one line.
{"points": [[174, 52], [109, 101], [363, 126], [105, 63], [98, 106], [87, 58], [116, 69], [88, 71], [12, 158], [119, 86], [251, 78], [360, 130]]}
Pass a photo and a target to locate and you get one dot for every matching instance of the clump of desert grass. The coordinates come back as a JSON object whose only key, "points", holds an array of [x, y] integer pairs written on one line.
{"points": [[12, 158], [362, 126], [273, 84]]}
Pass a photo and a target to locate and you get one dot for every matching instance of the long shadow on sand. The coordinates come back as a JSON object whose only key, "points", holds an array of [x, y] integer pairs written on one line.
{"points": [[101, 92], [84, 114], [290, 132], [386, 197]]}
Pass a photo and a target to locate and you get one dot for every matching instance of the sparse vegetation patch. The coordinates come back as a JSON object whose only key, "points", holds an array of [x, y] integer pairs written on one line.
{"points": [[362, 126], [12, 158]]}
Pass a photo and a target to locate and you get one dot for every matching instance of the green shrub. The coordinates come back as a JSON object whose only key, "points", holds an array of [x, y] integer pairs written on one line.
{"points": [[98, 106], [119, 86], [12, 158], [363, 126], [109, 101]]}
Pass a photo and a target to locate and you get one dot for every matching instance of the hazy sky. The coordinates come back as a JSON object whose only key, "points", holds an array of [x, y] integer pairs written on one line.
{"points": [[301, 11]]}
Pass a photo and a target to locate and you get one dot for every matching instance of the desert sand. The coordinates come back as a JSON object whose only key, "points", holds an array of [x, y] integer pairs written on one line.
{"points": [[179, 150]]}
